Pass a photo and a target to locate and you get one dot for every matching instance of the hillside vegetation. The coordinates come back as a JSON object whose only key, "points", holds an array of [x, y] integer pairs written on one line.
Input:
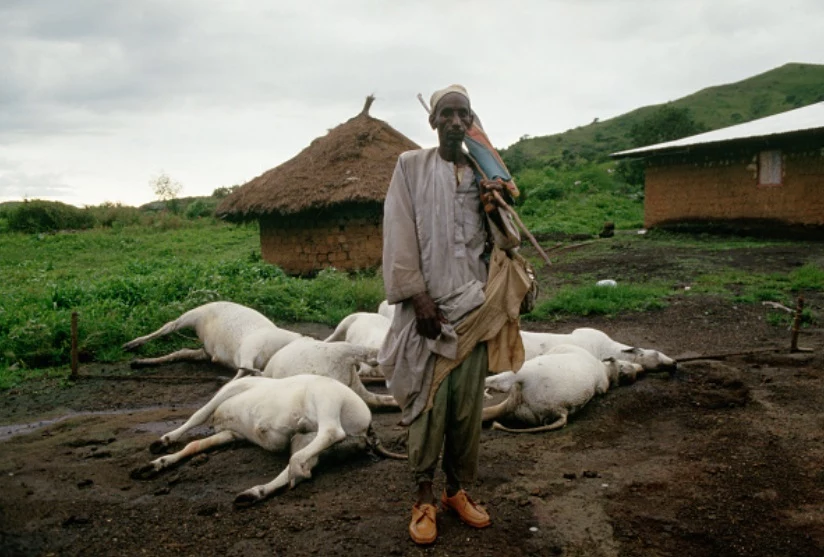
{"points": [[778, 90]]}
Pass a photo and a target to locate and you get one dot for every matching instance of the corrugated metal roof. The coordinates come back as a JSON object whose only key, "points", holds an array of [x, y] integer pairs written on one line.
{"points": [[805, 118]]}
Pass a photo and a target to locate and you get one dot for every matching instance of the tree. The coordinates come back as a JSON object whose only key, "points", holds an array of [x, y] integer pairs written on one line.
{"points": [[224, 191], [166, 190], [164, 187], [668, 123]]}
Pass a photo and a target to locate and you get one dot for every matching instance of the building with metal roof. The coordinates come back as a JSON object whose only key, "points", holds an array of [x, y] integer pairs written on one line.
{"points": [[766, 173]]}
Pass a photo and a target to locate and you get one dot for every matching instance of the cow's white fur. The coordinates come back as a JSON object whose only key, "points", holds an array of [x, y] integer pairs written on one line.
{"points": [[233, 335], [366, 329], [550, 387], [339, 360], [310, 413], [387, 310], [597, 343]]}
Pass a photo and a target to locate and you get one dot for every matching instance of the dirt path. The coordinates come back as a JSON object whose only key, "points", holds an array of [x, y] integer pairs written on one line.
{"points": [[721, 458]]}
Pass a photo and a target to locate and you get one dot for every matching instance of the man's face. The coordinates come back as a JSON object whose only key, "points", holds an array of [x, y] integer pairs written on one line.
{"points": [[452, 118]]}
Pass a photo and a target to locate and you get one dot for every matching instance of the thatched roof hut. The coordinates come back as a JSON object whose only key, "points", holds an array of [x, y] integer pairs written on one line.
{"points": [[324, 206]]}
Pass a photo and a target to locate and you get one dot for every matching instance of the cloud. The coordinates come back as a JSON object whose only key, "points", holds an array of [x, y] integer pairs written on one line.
{"points": [[102, 94], [20, 185]]}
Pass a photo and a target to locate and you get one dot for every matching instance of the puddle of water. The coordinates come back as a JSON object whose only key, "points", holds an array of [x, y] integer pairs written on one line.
{"points": [[12, 430]]}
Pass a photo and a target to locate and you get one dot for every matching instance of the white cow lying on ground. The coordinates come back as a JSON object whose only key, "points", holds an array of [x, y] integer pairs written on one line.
{"points": [[597, 343], [310, 413], [366, 329], [232, 335], [339, 360], [387, 310], [553, 386]]}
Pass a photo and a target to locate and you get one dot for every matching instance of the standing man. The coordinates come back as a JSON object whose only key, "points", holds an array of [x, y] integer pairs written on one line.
{"points": [[436, 241]]}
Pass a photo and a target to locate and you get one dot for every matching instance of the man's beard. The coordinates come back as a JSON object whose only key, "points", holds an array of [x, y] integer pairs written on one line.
{"points": [[453, 146]]}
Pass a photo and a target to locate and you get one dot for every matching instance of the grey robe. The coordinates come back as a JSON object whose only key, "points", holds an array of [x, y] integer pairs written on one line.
{"points": [[434, 235]]}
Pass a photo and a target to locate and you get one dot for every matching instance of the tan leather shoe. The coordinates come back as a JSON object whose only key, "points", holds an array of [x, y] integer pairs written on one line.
{"points": [[423, 529], [467, 509]]}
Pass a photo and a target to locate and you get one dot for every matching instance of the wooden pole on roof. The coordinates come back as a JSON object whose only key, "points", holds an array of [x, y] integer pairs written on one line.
{"points": [[367, 105]]}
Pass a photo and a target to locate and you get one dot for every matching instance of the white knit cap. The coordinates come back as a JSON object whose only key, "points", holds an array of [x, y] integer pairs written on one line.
{"points": [[438, 95]]}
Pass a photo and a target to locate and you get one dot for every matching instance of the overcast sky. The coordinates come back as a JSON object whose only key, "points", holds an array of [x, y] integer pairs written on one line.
{"points": [[97, 97]]}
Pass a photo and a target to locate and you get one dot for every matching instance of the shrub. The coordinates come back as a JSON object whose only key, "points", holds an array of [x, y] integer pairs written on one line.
{"points": [[114, 215], [48, 216], [200, 208]]}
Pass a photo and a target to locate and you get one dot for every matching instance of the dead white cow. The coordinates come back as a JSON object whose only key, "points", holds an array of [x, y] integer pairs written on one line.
{"points": [[387, 310], [306, 414], [366, 329], [597, 343], [233, 335], [550, 387], [342, 361]]}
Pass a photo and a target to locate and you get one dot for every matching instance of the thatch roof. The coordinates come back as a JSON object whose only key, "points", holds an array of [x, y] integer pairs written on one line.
{"points": [[353, 163]]}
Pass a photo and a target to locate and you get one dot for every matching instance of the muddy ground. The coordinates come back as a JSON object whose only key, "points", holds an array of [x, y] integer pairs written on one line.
{"points": [[723, 457]]}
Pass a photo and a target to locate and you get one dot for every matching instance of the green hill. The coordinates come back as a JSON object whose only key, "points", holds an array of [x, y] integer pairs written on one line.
{"points": [[778, 90]]}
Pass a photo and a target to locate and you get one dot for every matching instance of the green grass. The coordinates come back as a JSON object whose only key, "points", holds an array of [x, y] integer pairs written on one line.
{"points": [[747, 287], [126, 283], [598, 300], [708, 241], [577, 201]]}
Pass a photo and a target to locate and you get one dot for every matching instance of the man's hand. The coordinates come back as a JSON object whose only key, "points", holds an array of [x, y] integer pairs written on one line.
{"points": [[488, 197], [428, 316]]}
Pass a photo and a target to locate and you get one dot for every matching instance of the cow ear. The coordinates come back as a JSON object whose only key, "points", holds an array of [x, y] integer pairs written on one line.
{"points": [[631, 350]]}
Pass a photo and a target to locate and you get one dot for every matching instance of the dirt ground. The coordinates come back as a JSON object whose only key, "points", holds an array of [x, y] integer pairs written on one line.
{"points": [[722, 457]]}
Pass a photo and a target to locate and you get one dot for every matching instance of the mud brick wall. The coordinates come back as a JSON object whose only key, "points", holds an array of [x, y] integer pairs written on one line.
{"points": [[725, 187], [306, 245]]}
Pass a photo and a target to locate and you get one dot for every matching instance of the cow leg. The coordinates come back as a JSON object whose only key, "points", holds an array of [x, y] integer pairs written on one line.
{"points": [[243, 371], [186, 354], [299, 442], [369, 372], [340, 331], [193, 448], [202, 415], [169, 327], [301, 462]]}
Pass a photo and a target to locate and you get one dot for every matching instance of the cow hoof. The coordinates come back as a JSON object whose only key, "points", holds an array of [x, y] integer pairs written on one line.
{"points": [[144, 472], [158, 447], [245, 500]]}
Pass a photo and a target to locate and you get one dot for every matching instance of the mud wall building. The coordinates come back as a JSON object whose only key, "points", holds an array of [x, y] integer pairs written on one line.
{"points": [[324, 207], [768, 172], [350, 240]]}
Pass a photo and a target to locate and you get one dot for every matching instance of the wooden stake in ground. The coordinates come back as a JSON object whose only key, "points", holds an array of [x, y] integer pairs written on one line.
{"points": [[797, 325], [73, 375]]}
